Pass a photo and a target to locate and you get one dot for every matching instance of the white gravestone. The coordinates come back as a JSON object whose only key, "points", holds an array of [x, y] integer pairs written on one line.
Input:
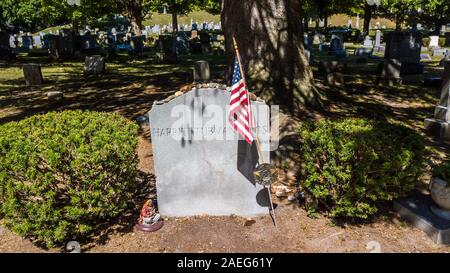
{"points": [[200, 165], [378, 39], [37, 41], [368, 42]]}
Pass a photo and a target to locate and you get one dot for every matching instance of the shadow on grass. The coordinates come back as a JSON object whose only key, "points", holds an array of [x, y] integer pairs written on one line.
{"points": [[129, 87]]}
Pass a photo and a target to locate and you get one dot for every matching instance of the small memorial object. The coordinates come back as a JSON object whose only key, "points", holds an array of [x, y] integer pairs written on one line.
{"points": [[149, 220], [32, 74], [73, 247], [265, 174]]}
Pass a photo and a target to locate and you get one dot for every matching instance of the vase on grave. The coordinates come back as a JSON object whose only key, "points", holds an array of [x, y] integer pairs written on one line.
{"points": [[440, 193]]}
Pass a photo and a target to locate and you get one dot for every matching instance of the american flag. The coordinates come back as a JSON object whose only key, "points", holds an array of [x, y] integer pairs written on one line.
{"points": [[240, 114]]}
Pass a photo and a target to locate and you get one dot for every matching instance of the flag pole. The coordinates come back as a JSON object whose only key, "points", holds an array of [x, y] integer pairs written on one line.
{"points": [[258, 146]]}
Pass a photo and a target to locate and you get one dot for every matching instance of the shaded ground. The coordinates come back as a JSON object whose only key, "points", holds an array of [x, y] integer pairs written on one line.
{"points": [[296, 232], [130, 87]]}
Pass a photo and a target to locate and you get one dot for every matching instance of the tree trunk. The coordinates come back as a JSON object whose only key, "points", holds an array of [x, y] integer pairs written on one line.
{"points": [[367, 18], [174, 23], [398, 23], [270, 40]]}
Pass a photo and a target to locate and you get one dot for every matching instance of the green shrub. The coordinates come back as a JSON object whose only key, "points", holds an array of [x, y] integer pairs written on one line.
{"points": [[350, 166], [63, 174]]}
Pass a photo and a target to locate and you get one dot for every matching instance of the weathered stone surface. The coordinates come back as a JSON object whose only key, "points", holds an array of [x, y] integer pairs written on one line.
{"points": [[200, 166], [416, 209], [55, 95], [403, 46], [434, 41], [378, 39], [439, 52], [94, 65], [32, 74], [368, 42], [202, 72]]}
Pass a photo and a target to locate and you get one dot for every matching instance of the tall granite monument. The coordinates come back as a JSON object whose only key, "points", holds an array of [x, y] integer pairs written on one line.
{"points": [[405, 47]]}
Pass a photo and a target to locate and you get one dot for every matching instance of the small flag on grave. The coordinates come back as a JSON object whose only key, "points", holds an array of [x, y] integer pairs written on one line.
{"points": [[242, 120]]}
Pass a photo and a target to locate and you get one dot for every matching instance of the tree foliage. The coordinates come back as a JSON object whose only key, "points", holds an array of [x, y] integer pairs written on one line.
{"points": [[26, 15]]}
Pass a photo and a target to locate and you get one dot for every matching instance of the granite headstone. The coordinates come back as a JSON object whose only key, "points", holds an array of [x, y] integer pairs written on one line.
{"points": [[440, 124], [201, 166]]}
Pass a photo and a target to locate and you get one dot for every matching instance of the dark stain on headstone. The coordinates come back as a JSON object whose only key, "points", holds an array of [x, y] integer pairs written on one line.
{"points": [[247, 160]]}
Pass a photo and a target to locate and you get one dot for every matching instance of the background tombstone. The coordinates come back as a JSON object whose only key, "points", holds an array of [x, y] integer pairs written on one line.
{"points": [[439, 52], [27, 42], [94, 65], [32, 74], [37, 41], [368, 42], [137, 44], [316, 39], [333, 72], [363, 51], [202, 72], [434, 42], [4, 40], [205, 40], [378, 38], [440, 125], [199, 169], [66, 43], [337, 46], [53, 45], [166, 49], [88, 43], [425, 57], [12, 41], [405, 47]]}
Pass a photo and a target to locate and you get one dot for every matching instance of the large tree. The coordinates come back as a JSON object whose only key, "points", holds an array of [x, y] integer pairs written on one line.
{"points": [[435, 13], [61, 11], [176, 8], [135, 11], [270, 39], [26, 15]]}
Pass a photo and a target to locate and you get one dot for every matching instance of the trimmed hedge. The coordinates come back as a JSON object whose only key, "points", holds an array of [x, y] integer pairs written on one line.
{"points": [[352, 165], [63, 174]]}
